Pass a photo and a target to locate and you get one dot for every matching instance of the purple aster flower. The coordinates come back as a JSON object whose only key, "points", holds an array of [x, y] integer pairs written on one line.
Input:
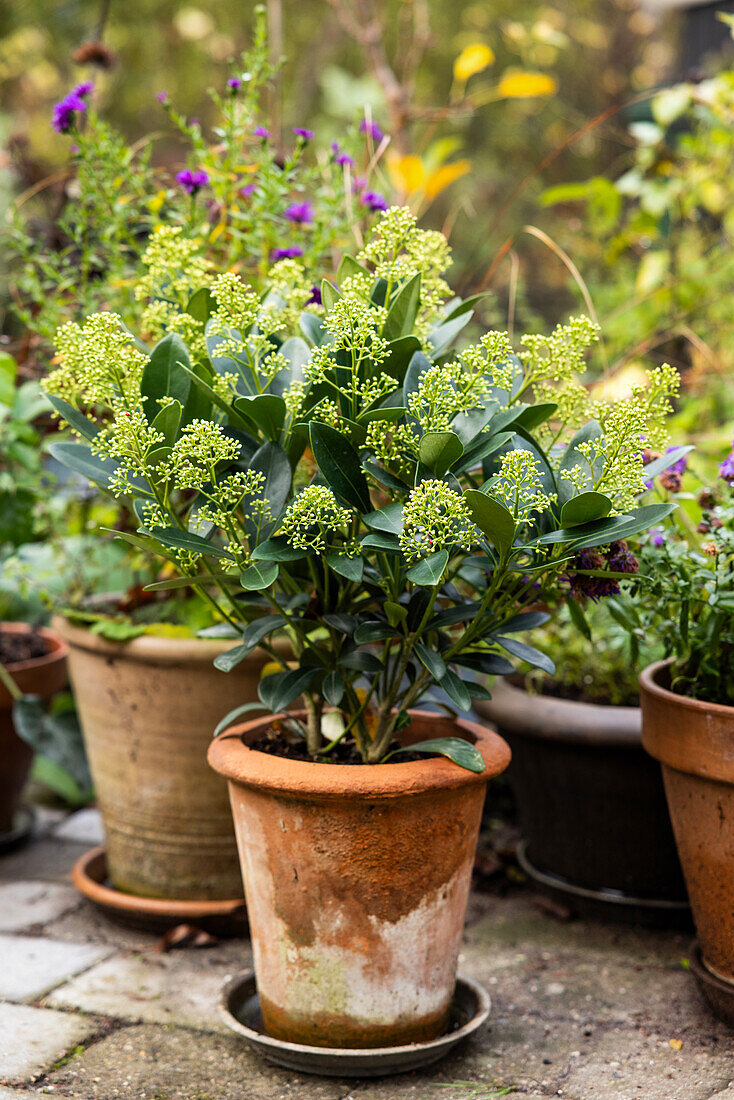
{"points": [[672, 478], [65, 112], [247, 190], [367, 126], [374, 200], [339, 157], [286, 253], [657, 536], [315, 299], [162, 97], [192, 180], [299, 212], [593, 588], [303, 133], [620, 558], [83, 89], [234, 83], [358, 184], [261, 132], [726, 469]]}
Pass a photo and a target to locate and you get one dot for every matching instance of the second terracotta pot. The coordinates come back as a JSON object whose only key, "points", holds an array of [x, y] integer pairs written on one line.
{"points": [[42, 676], [694, 742], [148, 709], [356, 880]]}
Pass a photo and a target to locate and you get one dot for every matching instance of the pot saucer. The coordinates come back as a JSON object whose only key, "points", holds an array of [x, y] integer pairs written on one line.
{"points": [[240, 1010], [718, 993], [607, 904], [220, 918], [20, 832]]}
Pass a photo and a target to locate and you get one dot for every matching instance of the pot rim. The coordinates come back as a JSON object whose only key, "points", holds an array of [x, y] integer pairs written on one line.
{"points": [[58, 652], [649, 682], [247, 767], [544, 717], [158, 648]]}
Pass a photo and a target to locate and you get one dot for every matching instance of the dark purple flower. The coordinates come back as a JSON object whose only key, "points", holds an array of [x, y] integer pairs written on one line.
{"points": [[247, 190], [192, 180], [261, 132], [367, 126], [234, 83], [315, 299], [286, 253], [303, 133], [339, 157], [657, 536], [374, 200], [593, 588], [620, 558], [726, 469], [299, 212], [65, 112]]}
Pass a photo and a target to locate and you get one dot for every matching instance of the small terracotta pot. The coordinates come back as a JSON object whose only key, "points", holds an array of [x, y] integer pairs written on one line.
{"points": [[148, 709], [694, 742], [590, 801], [356, 880], [42, 676]]}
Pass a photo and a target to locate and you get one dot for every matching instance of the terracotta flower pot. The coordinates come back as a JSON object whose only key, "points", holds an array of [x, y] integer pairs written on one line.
{"points": [[591, 803], [356, 880], [148, 709], [42, 676], [694, 742]]}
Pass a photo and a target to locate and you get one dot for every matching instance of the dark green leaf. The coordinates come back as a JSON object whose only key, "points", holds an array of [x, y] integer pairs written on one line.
{"points": [[455, 688], [429, 570], [167, 422], [277, 549], [281, 689], [333, 688], [361, 660], [352, 569], [259, 575], [162, 375], [396, 613], [57, 737], [380, 540], [385, 412], [373, 632], [312, 328], [403, 310], [265, 411], [184, 540], [330, 295], [78, 421], [455, 748], [384, 477], [534, 415], [527, 653], [232, 715], [578, 618], [460, 614], [526, 620], [431, 660], [187, 582], [440, 450], [340, 465], [201, 305], [389, 519], [339, 621], [585, 508], [492, 519]]}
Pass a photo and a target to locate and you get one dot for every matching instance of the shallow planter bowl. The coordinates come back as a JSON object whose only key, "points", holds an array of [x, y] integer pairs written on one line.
{"points": [[240, 1009]]}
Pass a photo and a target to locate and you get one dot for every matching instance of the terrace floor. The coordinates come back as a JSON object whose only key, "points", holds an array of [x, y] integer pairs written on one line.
{"points": [[581, 1010]]}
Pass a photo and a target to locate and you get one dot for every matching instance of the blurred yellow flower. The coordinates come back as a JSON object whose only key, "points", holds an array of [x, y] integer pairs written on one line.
{"points": [[525, 85], [408, 173], [412, 176], [442, 177], [472, 59]]}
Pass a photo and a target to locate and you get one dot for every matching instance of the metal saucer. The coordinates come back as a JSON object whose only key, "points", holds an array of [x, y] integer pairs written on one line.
{"points": [[240, 1010], [718, 993], [607, 904]]}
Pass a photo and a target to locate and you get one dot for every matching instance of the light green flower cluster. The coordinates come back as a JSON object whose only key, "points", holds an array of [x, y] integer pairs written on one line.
{"points": [[613, 460], [435, 518], [130, 440], [490, 364], [98, 361], [552, 365], [288, 292], [175, 270], [519, 486], [313, 519], [397, 250], [196, 454]]}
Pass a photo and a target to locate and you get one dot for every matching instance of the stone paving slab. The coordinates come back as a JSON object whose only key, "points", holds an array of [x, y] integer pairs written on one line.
{"points": [[83, 827], [47, 859], [34, 1039], [30, 965], [180, 988], [24, 904]]}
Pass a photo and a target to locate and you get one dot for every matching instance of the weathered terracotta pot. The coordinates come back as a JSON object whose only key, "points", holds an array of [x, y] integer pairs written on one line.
{"points": [[148, 709], [590, 801], [42, 676], [694, 742], [356, 881]]}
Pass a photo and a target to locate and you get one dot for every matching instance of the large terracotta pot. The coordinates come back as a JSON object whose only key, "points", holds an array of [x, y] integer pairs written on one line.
{"points": [[590, 801], [148, 709], [694, 742], [356, 880], [42, 676]]}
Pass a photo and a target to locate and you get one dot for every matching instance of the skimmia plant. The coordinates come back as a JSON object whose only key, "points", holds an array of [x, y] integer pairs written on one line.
{"points": [[338, 477]]}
